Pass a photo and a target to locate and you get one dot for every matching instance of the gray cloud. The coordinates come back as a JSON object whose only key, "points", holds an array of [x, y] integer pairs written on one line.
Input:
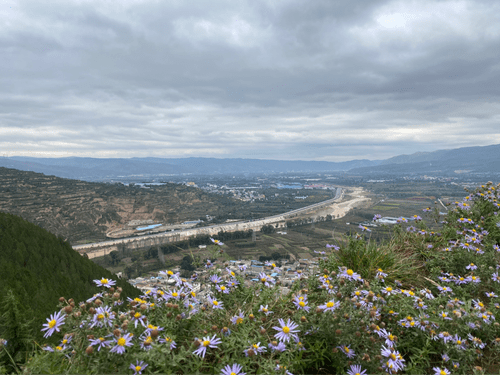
{"points": [[292, 80]]}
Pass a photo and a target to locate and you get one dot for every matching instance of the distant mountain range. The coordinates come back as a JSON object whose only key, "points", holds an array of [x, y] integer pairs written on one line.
{"points": [[461, 160]]}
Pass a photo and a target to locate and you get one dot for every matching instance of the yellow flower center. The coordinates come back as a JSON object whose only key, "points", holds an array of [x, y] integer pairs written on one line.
{"points": [[193, 294], [215, 303], [459, 342], [100, 317], [174, 294], [52, 323], [137, 315], [302, 304], [137, 368], [104, 281], [222, 287], [206, 343], [101, 339], [389, 289], [265, 310], [239, 320], [58, 348], [442, 372], [263, 279], [393, 356], [346, 349], [255, 346], [121, 341], [286, 329], [350, 272], [329, 304]]}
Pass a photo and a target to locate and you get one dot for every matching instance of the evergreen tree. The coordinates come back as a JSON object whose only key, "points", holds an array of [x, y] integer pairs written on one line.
{"points": [[16, 326]]}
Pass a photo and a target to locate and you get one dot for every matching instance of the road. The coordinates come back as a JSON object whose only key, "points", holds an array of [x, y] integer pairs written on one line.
{"points": [[258, 222]]}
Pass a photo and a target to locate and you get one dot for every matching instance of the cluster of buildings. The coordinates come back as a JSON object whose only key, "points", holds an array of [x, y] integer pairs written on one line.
{"points": [[244, 193], [289, 272]]}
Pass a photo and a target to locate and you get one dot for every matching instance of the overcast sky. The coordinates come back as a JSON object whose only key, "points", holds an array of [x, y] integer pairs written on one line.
{"points": [[330, 80]]}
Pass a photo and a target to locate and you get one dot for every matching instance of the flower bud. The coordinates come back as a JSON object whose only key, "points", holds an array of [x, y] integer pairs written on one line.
{"points": [[91, 311], [117, 333], [61, 299], [68, 309], [89, 350]]}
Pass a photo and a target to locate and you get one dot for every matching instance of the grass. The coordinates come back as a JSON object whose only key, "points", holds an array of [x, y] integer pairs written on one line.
{"points": [[381, 306]]}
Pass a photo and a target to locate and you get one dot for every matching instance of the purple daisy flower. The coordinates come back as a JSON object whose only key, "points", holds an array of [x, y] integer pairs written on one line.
{"points": [[330, 306], [216, 304], [105, 282], [286, 331], [101, 342], [347, 351], [356, 370], [238, 319], [235, 369], [56, 320], [138, 367], [217, 242], [121, 343], [168, 340], [439, 371], [301, 303], [279, 347], [254, 349], [207, 343]]}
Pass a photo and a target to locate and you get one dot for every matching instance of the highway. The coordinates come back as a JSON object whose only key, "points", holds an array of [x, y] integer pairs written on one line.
{"points": [[218, 227]]}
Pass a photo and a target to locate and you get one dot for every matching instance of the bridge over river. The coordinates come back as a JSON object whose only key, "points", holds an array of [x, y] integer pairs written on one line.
{"points": [[103, 248]]}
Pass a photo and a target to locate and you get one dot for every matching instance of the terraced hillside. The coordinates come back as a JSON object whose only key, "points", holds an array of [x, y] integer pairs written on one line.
{"points": [[78, 210]]}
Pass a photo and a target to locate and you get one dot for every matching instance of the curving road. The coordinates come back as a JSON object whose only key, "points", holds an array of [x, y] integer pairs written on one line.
{"points": [[214, 228]]}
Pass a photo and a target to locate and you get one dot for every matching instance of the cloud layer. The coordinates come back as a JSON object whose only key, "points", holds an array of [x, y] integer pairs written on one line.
{"points": [[319, 80]]}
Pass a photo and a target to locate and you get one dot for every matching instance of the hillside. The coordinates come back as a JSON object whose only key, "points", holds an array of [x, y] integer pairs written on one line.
{"points": [[469, 160], [78, 210], [36, 269], [104, 169]]}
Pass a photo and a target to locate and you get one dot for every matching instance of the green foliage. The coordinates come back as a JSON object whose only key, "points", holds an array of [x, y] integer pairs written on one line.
{"points": [[267, 229], [39, 267]]}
